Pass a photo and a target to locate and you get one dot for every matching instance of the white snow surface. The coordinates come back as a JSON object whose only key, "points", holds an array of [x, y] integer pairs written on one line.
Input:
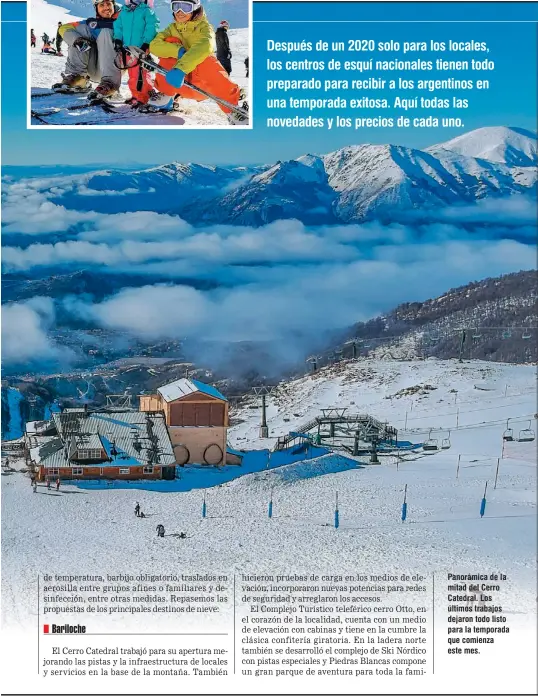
{"points": [[85, 530], [46, 69], [511, 146]]}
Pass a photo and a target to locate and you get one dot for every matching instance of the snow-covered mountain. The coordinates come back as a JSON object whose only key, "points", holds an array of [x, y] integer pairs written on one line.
{"points": [[514, 147], [363, 182], [352, 184]]}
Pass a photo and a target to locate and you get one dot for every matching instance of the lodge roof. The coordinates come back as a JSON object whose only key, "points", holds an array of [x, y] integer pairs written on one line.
{"points": [[183, 387], [130, 438]]}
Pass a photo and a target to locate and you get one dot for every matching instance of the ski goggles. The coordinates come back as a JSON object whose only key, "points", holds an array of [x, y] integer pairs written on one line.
{"points": [[183, 6]]}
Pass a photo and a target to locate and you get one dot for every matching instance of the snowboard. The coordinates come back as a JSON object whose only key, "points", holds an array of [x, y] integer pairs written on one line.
{"points": [[61, 108]]}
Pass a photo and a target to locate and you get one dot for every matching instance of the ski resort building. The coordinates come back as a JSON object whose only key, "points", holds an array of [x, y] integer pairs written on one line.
{"points": [[78, 444], [197, 418]]}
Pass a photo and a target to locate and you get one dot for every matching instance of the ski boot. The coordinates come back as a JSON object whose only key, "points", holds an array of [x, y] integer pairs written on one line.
{"points": [[134, 103], [72, 83], [158, 103], [104, 90], [236, 119]]}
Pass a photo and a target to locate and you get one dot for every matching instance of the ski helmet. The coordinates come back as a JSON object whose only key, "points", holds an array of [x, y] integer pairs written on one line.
{"points": [[224, 24], [185, 6]]}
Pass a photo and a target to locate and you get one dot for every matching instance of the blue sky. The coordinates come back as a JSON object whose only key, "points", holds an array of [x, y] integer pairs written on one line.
{"points": [[510, 101]]}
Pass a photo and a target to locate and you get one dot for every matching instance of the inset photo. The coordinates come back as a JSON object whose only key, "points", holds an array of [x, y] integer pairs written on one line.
{"points": [[143, 63]]}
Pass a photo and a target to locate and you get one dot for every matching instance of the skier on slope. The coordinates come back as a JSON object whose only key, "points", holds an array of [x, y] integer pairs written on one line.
{"points": [[91, 53], [137, 509], [186, 49], [59, 40], [137, 25], [246, 66], [224, 54], [33, 39], [160, 530]]}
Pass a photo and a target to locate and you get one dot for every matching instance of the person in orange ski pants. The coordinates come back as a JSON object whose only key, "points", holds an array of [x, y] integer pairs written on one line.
{"points": [[186, 48]]}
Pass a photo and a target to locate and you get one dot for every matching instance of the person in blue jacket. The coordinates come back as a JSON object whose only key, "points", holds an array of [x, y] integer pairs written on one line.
{"points": [[137, 25]]}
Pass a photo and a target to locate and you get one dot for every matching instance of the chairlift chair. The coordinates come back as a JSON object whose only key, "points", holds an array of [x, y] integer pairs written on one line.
{"points": [[508, 435], [445, 443], [526, 335], [477, 333], [431, 445], [526, 435], [434, 336], [507, 333]]}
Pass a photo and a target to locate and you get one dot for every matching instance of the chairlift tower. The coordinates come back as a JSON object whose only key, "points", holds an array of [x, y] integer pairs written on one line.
{"points": [[313, 360], [263, 391]]}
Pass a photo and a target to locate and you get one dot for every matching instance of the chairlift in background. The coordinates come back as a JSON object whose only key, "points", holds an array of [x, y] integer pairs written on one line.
{"points": [[431, 444], [507, 333], [526, 435], [433, 336], [445, 443], [477, 333], [508, 435], [526, 335]]}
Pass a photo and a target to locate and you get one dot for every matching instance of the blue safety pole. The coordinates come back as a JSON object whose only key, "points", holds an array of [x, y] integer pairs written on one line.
{"points": [[404, 506], [483, 503], [336, 515], [204, 508], [270, 511]]}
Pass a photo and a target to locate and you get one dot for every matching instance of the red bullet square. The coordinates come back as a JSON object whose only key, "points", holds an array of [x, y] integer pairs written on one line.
{"points": [[45, 628]]}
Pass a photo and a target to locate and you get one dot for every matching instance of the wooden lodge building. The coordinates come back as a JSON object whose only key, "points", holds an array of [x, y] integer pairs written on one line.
{"points": [[78, 444], [196, 415]]}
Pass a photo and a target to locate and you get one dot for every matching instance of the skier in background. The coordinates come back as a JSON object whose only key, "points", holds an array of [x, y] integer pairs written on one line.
{"points": [[137, 25], [137, 509], [48, 483], [59, 40], [160, 530], [186, 49], [224, 55], [33, 39], [58, 483], [246, 66], [47, 44]]}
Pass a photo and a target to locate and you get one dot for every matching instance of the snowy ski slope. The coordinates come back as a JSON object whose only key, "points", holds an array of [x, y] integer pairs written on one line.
{"points": [[86, 529]]}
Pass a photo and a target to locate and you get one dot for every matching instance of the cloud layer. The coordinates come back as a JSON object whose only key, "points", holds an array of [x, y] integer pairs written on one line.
{"points": [[271, 283]]}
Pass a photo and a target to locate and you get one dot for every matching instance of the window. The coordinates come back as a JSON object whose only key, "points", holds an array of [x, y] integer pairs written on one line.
{"points": [[89, 454], [125, 471], [53, 472], [77, 471], [148, 469]]}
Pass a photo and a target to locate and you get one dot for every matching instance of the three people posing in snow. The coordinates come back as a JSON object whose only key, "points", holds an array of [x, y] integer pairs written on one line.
{"points": [[185, 49]]}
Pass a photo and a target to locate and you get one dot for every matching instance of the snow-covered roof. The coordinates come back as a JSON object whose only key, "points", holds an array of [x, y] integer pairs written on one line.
{"points": [[136, 435], [184, 387]]}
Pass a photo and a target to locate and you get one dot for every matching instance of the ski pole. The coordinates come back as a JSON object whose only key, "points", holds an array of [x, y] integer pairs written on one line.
{"points": [[150, 65]]}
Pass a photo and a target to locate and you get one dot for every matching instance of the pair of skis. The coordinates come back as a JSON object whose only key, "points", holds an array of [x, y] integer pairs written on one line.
{"points": [[139, 57]]}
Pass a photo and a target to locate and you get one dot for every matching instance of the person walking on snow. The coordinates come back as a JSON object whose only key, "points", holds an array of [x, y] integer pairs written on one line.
{"points": [[137, 25], [186, 49], [59, 40], [33, 39], [160, 530], [48, 483], [224, 55], [137, 509], [91, 54], [58, 483]]}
